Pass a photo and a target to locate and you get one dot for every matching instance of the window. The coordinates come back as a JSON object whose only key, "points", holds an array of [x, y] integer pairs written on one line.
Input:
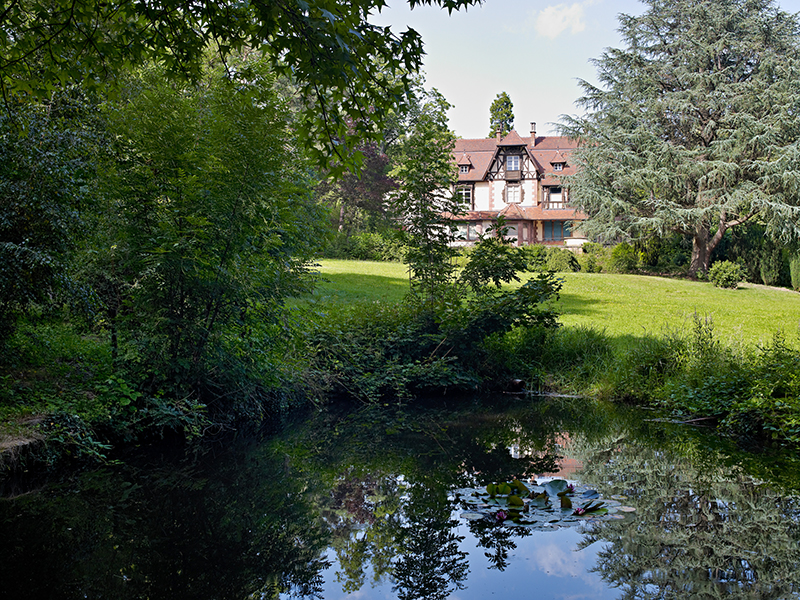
{"points": [[556, 230], [556, 167], [463, 169], [467, 231], [512, 163], [554, 198], [465, 196], [513, 194], [512, 232]]}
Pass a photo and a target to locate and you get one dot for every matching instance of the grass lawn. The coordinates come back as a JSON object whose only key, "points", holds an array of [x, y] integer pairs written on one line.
{"points": [[624, 306]]}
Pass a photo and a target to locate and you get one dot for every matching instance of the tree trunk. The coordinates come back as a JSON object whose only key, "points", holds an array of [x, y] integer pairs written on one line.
{"points": [[701, 254]]}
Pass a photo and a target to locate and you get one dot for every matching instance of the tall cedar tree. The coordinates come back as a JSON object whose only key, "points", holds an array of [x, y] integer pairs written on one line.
{"points": [[695, 127], [501, 115]]}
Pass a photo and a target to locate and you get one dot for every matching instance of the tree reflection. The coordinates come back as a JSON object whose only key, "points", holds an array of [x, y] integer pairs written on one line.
{"points": [[700, 531], [171, 531], [374, 487], [431, 564], [499, 540]]}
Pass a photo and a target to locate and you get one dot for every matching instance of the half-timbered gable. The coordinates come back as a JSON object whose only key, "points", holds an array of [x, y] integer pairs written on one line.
{"points": [[521, 179]]}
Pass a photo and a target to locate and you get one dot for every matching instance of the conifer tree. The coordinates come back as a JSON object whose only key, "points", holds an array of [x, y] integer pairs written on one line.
{"points": [[694, 127], [501, 115]]}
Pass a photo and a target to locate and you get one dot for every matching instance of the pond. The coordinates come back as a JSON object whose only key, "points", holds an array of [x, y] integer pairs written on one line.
{"points": [[386, 502]]}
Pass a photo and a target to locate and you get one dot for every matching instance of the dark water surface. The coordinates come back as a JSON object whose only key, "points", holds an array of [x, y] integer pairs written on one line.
{"points": [[377, 502]]}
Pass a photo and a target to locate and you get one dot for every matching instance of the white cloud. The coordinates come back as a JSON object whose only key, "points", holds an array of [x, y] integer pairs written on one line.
{"points": [[553, 20]]}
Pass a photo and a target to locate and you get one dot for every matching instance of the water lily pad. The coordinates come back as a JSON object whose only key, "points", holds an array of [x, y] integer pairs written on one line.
{"points": [[472, 516], [619, 497], [626, 509], [588, 494], [556, 486]]}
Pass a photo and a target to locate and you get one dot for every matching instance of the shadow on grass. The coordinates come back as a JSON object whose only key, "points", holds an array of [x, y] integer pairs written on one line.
{"points": [[573, 304]]}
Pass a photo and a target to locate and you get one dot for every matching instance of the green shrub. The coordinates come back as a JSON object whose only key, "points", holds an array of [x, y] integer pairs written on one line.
{"points": [[536, 256], [560, 260], [725, 274], [589, 263], [383, 246], [773, 264], [794, 270], [624, 258]]}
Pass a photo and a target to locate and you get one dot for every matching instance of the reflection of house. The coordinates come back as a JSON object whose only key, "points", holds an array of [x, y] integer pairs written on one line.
{"points": [[518, 177]]}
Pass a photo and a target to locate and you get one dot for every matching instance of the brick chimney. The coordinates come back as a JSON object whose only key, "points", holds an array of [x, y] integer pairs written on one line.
{"points": [[533, 134], [497, 135]]}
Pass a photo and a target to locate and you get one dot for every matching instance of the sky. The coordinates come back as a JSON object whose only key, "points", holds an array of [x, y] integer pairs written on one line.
{"points": [[536, 50]]}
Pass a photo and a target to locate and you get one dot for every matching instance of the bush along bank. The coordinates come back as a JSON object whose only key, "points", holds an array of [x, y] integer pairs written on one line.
{"points": [[750, 392], [64, 402]]}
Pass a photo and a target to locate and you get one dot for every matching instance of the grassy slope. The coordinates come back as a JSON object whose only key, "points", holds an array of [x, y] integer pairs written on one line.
{"points": [[624, 306]]}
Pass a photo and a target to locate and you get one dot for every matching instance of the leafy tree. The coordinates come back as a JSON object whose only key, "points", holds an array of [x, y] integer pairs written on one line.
{"points": [[695, 127], [424, 200], [211, 230], [359, 198], [341, 62], [45, 169], [501, 115]]}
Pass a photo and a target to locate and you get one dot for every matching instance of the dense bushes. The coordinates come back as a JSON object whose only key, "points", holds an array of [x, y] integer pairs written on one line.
{"points": [[550, 258], [752, 392], [794, 268], [725, 274], [379, 352], [382, 246]]}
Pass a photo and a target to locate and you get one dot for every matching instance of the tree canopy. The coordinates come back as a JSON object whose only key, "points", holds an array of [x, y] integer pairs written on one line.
{"points": [[694, 126], [501, 115], [349, 71]]}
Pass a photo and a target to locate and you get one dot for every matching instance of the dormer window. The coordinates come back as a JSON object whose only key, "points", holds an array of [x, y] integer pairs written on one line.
{"points": [[463, 169], [512, 162], [558, 167]]}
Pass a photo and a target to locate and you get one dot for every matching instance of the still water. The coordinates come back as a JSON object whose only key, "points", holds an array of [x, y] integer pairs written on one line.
{"points": [[381, 502]]}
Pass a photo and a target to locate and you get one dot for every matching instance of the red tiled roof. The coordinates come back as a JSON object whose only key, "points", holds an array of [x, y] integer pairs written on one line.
{"points": [[547, 151], [464, 160], [512, 139]]}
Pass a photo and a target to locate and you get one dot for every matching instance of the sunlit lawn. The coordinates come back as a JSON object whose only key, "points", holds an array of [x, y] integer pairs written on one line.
{"points": [[622, 305]]}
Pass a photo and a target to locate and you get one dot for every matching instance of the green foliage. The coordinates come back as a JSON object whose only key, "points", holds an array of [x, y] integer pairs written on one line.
{"points": [[794, 268], [205, 235], [773, 264], [425, 174], [560, 260], [624, 259], [725, 274], [375, 352], [501, 115], [379, 246], [493, 259], [46, 169], [351, 73], [541, 258], [712, 149]]}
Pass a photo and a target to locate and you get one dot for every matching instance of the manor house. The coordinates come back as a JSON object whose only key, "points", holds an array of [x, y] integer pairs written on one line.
{"points": [[519, 178]]}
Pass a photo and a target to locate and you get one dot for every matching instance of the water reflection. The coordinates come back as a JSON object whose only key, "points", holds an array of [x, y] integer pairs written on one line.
{"points": [[359, 503]]}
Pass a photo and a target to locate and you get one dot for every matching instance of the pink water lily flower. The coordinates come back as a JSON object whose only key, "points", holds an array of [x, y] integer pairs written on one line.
{"points": [[501, 516], [579, 511]]}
